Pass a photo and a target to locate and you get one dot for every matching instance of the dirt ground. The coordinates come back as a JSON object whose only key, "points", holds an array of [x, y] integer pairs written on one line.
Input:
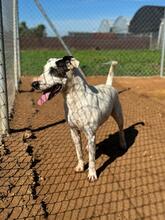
{"points": [[37, 160]]}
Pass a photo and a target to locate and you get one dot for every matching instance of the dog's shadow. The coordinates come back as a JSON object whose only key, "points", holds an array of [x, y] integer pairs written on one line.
{"points": [[111, 146]]}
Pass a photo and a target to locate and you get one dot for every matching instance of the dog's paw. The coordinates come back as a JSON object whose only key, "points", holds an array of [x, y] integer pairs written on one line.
{"points": [[92, 176], [79, 167]]}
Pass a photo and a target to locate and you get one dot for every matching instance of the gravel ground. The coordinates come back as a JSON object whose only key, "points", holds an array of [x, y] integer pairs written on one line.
{"points": [[37, 160]]}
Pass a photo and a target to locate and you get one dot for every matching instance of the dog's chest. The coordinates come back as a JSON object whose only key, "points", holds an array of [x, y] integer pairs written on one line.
{"points": [[88, 108]]}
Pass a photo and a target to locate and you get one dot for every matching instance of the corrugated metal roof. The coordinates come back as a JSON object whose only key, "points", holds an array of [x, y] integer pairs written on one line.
{"points": [[147, 19]]}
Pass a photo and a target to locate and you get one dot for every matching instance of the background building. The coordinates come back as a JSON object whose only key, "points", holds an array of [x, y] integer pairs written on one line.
{"points": [[120, 25], [147, 20], [105, 26]]}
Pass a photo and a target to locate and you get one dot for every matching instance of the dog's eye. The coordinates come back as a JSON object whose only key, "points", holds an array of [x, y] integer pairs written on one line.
{"points": [[53, 71], [61, 72], [61, 65]]}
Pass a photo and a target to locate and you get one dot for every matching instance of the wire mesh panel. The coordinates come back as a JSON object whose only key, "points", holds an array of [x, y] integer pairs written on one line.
{"points": [[95, 32], [3, 87], [7, 12], [9, 62]]}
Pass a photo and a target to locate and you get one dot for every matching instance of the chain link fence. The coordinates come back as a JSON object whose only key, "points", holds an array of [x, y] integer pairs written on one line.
{"points": [[9, 61], [95, 33], [37, 175]]}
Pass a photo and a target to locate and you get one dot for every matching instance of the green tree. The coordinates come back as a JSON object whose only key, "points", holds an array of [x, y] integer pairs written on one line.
{"points": [[38, 31], [23, 29]]}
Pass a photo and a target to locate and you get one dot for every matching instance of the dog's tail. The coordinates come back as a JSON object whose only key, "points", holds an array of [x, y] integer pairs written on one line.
{"points": [[111, 73]]}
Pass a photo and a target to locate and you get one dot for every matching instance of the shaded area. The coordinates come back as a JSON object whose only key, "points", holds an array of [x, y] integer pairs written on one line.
{"points": [[35, 183], [44, 208], [39, 128], [111, 146]]}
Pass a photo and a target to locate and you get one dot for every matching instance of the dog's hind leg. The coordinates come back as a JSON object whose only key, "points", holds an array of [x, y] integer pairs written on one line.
{"points": [[118, 116], [78, 145]]}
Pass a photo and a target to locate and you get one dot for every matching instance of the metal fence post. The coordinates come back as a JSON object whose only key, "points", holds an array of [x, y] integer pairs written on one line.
{"points": [[163, 48], [15, 43], [52, 26], [3, 84], [18, 40]]}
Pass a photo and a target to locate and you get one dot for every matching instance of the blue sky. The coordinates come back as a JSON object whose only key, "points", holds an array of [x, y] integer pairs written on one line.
{"points": [[80, 15]]}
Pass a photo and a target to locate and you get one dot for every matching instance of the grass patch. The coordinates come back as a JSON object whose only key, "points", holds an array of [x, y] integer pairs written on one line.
{"points": [[131, 62]]}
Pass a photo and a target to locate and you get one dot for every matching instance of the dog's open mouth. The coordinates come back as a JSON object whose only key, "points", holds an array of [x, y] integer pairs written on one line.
{"points": [[49, 93]]}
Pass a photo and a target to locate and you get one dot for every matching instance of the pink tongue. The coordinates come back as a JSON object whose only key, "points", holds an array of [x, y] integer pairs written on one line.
{"points": [[43, 98]]}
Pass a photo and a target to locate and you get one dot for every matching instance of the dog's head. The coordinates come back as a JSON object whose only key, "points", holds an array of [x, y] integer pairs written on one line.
{"points": [[54, 77]]}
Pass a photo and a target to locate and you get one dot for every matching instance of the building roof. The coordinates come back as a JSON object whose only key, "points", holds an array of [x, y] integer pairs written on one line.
{"points": [[105, 26], [120, 25], [147, 19]]}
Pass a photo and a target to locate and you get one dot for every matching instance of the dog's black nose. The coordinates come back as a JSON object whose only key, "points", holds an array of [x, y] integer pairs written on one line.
{"points": [[35, 85]]}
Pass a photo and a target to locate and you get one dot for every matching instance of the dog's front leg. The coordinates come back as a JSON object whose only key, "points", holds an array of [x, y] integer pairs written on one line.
{"points": [[92, 176], [78, 145]]}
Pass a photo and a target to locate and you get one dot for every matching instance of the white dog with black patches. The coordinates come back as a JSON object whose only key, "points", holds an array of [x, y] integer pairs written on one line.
{"points": [[86, 106]]}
